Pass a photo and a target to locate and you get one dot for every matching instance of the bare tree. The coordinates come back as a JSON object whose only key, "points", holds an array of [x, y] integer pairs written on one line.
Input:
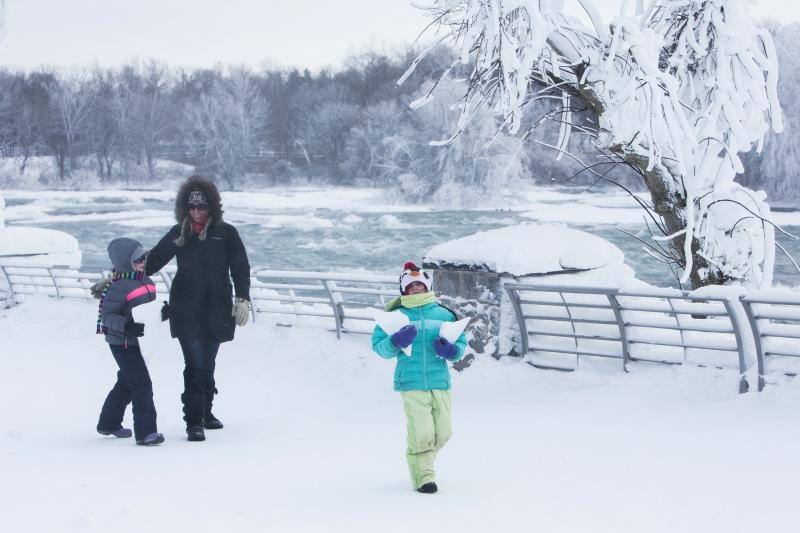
{"points": [[223, 127], [155, 115], [103, 129], [72, 101]]}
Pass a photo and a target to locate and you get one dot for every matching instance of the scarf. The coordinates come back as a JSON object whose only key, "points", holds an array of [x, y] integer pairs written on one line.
{"points": [[411, 301], [104, 286], [188, 226], [199, 227]]}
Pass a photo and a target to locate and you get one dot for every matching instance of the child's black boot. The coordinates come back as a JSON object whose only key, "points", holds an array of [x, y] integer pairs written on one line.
{"points": [[428, 488], [121, 433], [151, 440]]}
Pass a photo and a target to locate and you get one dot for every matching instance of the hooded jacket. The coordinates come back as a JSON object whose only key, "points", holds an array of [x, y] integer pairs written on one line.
{"points": [[201, 295], [423, 370], [124, 294]]}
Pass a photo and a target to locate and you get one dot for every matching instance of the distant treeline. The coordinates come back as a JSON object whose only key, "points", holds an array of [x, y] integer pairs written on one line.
{"points": [[353, 126]]}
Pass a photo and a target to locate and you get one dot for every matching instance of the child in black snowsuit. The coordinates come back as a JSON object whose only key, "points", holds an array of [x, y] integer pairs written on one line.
{"points": [[125, 289]]}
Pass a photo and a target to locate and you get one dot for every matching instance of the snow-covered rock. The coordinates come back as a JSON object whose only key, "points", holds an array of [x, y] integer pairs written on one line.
{"points": [[530, 250], [36, 246], [470, 273], [39, 247]]}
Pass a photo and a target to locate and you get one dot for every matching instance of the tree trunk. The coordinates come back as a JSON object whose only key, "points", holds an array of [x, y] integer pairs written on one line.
{"points": [[669, 202], [670, 205]]}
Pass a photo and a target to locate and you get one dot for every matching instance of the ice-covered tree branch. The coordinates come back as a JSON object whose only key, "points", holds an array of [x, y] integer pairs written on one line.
{"points": [[679, 89]]}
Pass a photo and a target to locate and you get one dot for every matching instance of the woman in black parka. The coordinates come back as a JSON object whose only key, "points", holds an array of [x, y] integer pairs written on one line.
{"points": [[202, 313]]}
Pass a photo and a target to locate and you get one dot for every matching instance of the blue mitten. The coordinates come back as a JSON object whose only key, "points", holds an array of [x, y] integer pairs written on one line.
{"points": [[445, 349], [404, 336]]}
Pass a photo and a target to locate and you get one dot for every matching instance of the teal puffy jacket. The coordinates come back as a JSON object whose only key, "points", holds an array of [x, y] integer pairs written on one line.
{"points": [[423, 370]]}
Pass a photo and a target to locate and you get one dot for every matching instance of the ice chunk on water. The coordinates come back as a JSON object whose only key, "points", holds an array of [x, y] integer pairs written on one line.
{"points": [[352, 219]]}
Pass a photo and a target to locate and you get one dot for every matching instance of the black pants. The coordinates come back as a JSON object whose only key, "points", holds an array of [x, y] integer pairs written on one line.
{"points": [[133, 386], [199, 386]]}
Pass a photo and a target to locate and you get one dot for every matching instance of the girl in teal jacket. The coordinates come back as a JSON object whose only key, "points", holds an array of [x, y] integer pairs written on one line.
{"points": [[423, 379]]}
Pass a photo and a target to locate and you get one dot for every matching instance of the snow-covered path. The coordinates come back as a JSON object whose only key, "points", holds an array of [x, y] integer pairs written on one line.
{"points": [[314, 441]]}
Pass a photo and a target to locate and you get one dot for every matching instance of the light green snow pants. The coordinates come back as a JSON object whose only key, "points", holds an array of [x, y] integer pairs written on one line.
{"points": [[428, 417]]}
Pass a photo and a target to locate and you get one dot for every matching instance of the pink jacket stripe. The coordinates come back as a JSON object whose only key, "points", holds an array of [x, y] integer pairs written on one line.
{"points": [[141, 291]]}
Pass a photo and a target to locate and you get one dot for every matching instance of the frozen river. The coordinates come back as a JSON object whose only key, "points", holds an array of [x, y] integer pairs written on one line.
{"points": [[347, 229]]}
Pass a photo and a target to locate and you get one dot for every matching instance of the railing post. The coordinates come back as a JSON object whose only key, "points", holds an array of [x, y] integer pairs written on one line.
{"points": [[623, 335], [55, 283], [760, 363], [7, 276], [572, 326], [680, 328], [253, 310], [295, 305], [513, 296], [744, 386], [167, 280], [330, 287]]}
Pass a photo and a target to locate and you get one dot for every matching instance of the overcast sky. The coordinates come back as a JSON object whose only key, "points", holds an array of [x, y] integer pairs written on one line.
{"points": [[193, 33]]}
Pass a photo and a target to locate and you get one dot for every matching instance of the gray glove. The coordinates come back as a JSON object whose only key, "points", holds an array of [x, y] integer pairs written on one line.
{"points": [[241, 311]]}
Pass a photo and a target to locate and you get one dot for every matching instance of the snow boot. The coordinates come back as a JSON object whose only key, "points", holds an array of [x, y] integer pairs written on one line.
{"points": [[195, 433], [428, 488], [211, 421], [152, 439], [194, 405], [121, 433]]}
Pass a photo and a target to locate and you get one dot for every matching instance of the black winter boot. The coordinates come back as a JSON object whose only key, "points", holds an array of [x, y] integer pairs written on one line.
{"points": [[428, 488], [194, 405], [211, 421], [195, 433]]}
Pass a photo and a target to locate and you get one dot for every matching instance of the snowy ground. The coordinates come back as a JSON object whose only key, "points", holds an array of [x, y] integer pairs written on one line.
{"points": [[314, 441]]}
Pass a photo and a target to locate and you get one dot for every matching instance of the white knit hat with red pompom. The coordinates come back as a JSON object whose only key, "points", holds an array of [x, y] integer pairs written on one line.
{"points": [[412, 273]]}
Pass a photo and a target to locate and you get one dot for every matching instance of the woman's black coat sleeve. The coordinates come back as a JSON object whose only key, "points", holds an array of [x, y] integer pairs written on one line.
{"points": [[163, 252]]}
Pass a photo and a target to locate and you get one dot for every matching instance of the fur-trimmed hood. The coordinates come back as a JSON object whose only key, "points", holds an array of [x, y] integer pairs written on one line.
{"points": [[209, 189]]}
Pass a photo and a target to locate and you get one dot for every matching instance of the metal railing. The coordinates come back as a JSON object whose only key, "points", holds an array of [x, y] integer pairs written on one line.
{"points": [[557, 324], [775, 322], [344, 298], [58, 281], [653, 325]]}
